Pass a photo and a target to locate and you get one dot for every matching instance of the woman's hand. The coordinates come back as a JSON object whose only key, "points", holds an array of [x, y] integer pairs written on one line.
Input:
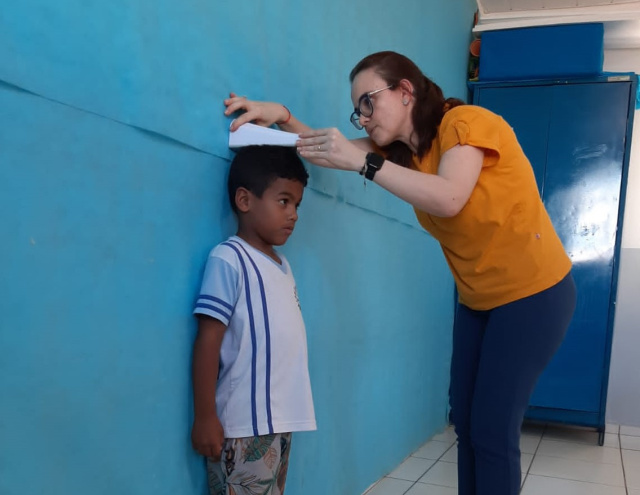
{"points": [[329, 148], [260, 112]]}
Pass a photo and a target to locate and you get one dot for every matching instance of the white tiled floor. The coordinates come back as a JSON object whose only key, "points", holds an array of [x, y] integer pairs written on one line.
{"points": [[555, 460]]}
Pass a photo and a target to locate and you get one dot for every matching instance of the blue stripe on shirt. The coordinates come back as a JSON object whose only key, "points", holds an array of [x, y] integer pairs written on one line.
{"points": [[267, 338], [216, 299], [253, 339], [213, 308]]}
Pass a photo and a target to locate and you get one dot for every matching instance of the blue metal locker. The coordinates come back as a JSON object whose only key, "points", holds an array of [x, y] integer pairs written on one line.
{"points": [[576, 133]]}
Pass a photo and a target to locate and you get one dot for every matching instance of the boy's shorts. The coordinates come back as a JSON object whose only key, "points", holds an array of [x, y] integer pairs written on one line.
{"points": [[251, 465]]}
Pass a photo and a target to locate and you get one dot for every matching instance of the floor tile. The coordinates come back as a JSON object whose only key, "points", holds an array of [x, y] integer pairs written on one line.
{"points": [[443, 474], [525, 462], [540, 485], [424, 489], [451, 455], [633, 431], [606, 474], [629, 443], [390, 486], [529, 443], [580, 435], [611, 440], [432, 450], [579, 451], [411, 469], [631, 462], [611, 428], [448, 435], [633, 492], [571, 434]]}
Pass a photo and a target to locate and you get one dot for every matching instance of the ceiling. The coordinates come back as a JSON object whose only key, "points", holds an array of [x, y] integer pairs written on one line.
{"points": [[620, 17], [502, 6]]}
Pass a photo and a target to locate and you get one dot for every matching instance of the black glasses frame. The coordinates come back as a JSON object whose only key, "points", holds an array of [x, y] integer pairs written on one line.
{"points": [[357, 112]]}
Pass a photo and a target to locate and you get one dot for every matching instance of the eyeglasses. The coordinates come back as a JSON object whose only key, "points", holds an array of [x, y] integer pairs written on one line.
{"points": [[365, 107]]}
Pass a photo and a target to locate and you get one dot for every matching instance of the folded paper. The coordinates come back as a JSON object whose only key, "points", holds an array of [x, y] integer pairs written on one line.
{"points": [[251, 134]]}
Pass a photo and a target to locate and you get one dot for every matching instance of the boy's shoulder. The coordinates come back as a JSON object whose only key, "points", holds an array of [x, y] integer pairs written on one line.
{"points": [[227, 250]]}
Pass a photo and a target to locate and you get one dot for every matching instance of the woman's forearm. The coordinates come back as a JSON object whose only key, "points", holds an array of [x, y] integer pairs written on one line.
{"points": [[426, 192], [442, 195], [293, 125]]}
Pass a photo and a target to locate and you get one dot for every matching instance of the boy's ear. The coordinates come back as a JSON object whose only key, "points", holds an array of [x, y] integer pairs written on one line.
{"points": [[243, 197]]}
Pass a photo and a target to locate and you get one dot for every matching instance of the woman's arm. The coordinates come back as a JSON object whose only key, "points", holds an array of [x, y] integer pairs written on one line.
{"points": [[267, 113], [443, 195], [263, 113]]}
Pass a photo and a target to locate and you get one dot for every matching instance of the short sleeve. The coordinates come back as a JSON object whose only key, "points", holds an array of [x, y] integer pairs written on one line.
{"points": [[219, 290], [473, 126]]}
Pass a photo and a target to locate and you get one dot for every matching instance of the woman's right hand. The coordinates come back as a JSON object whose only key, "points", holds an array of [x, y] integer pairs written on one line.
{"points": [[259, 112]]}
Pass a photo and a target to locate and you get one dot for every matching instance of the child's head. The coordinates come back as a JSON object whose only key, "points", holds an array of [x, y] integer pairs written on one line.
{"points": [[265, 189]]}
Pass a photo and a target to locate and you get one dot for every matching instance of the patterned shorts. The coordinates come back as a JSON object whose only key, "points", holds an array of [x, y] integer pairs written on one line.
{"points": [[251, 466]]}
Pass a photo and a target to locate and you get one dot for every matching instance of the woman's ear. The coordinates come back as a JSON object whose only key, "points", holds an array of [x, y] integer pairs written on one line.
{"points": [[406, 91], [243, 199]]}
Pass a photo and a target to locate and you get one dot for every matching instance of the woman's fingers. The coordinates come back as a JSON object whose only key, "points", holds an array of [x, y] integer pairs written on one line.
{"points": [[316, 141], [236, 104], [260, 112], [312, 133]]}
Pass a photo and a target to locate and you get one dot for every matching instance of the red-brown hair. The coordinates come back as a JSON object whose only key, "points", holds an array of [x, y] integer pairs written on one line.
{"points": [[430, 104]]}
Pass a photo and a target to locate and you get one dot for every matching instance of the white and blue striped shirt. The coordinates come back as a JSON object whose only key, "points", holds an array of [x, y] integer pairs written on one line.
{"points": [[263, 383]]}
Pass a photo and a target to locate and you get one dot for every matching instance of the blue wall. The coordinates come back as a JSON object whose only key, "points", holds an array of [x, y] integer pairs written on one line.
{"points": [[113, 163]]}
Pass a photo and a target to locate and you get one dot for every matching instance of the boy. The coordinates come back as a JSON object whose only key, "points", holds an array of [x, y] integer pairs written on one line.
{"points": [[250, 376]]}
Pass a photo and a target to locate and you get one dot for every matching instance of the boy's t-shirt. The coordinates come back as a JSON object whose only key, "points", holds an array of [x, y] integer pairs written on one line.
{"points": [[263, 383]]}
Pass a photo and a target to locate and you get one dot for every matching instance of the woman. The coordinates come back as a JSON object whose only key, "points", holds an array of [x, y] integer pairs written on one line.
{"points": [[472, 187]]}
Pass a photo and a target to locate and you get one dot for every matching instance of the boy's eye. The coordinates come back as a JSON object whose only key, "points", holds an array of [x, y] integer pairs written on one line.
{"points": [[284, 201]]}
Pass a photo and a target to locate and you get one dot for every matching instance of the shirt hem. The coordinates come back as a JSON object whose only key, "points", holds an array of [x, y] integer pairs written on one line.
{"points": [[516, 296], [264, 429]]}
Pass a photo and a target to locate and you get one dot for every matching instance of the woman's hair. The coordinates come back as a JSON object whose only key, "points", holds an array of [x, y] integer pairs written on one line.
{"points": [[256, 167], [430, 104]]}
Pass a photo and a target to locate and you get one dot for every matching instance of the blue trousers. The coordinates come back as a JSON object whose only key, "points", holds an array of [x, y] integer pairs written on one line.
{"points": [[498, 356]]}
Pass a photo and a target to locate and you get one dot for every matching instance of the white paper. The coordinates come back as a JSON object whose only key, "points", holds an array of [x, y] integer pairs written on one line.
{"points": [[251, 134]]}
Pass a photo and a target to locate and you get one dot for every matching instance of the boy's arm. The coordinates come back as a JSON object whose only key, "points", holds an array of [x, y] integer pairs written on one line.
{"points": [[207, 435]]}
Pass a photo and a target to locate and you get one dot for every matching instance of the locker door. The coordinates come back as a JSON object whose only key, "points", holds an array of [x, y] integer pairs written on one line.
{"points": [[528, 110], [574, 137], [582, 191]]}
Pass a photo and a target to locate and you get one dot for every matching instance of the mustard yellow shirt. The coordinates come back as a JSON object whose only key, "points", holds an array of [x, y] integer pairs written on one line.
{"points": [[501, 247]]}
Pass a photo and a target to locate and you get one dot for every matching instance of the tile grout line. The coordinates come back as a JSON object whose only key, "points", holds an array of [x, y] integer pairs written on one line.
{"points": [[544, 430], [624, 474], [429, 468]]}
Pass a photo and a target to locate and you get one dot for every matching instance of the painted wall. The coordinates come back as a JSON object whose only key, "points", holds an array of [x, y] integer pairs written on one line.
{"points": [[623, 404], [113, 166]]}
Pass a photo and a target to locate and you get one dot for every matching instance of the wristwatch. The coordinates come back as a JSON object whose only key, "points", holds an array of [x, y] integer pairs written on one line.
{"points": [[372, 164]]}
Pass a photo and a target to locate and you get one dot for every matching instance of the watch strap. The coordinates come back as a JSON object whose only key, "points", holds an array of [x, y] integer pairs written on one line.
{"points": [[372, 164]]}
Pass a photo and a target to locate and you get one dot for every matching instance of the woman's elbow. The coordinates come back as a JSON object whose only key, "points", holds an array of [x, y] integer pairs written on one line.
{"points": [[451, 208]]}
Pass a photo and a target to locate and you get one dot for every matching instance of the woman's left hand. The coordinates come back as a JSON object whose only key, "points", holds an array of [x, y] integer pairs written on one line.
{"points": [[329, 148]]}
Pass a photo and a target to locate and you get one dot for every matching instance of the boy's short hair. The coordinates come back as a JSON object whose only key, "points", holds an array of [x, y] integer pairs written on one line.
{"points": [[256, 167]]}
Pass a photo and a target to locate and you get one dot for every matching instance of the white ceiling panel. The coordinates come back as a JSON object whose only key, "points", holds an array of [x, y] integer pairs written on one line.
{"points": [[506, 14], [496, 6]]}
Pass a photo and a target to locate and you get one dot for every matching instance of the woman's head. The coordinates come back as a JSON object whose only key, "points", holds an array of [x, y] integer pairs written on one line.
{"points": [[405, 118]]}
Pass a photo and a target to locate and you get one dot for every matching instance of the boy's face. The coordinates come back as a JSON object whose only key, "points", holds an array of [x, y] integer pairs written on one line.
{"points": [[273, 216]]}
